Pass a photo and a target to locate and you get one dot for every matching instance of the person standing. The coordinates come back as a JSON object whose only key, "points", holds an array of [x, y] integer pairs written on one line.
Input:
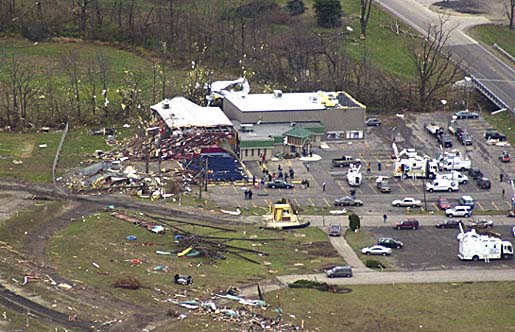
{"points": [[307, 166], [250, 194], [501, 177], [246, 194], [368, 167], [292, 173], [385, 218], [323, 186], [379, 166]]}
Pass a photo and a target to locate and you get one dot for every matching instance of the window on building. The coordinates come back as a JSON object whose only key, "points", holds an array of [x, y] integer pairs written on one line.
{"points": [[252, 152], [246, 152], [259, 152]]}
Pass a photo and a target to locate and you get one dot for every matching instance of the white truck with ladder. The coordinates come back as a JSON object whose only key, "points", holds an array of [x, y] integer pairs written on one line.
{"points": [[409, 164], [474, 246]]}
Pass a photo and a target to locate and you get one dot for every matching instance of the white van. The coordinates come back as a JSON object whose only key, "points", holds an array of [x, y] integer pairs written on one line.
{"points": [[456, 163], [442, 185], [454, 176]]}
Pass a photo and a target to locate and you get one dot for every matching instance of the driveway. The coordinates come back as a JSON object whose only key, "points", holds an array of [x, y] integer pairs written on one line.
{"points": [[412, 277]]}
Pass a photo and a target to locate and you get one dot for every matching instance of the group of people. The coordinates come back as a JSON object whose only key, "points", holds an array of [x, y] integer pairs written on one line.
{"points": [[248, 194]]}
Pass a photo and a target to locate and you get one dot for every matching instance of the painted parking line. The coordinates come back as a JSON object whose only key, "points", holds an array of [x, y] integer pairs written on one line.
{"points": [[311, 202], [495, 205], [372, 187], [417, 189], [480, 206], [402, 188], [326, 202], [435, 206], [296, 202], [254, 204], [268, 202], [508, 203], [342, 187]]}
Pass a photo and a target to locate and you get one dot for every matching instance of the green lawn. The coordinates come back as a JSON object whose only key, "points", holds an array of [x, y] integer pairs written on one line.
{"points": [[102, 239], [37, 161], [504, 122], [485, 307], [490, 34]]}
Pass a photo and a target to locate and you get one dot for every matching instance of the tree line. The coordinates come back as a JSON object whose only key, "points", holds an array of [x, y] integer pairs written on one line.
{"points": [[256, 38]]}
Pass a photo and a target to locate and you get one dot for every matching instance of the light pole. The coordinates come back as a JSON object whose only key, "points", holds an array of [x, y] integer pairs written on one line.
{"points": [[468, 79]]}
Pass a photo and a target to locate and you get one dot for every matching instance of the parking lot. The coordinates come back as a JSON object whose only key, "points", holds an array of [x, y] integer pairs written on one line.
{"points": [[376, 148], [429, 248]]}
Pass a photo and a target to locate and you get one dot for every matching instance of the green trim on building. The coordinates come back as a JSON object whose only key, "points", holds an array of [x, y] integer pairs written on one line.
{"points": [[256, 144], [299, 132], [278, 139], [316, 130]]}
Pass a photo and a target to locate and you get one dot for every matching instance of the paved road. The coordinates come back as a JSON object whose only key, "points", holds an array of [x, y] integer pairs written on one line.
{"points": [[495, 74], [378, 278]]}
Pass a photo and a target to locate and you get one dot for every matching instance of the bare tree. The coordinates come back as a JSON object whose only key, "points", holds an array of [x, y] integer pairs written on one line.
{"points": [[509, 5], [366, 7], [22, 88], [83, 14], [72, 64], [434, 67]]}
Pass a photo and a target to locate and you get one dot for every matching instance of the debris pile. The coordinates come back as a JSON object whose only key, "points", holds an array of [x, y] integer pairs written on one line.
{"points": [[249, 315]]}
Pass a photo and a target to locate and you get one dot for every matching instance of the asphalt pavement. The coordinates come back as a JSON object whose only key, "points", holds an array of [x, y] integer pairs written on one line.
{"points": [[497, 75]]}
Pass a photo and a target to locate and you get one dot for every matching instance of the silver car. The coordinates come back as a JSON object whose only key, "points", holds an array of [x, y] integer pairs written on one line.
{"points": [[339, 271]]}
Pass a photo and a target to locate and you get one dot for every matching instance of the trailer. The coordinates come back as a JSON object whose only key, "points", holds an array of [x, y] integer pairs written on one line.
{"points": [[474, 246]]}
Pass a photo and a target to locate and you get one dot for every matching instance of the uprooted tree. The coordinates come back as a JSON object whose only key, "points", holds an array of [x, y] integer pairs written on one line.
{"points": [[435, 68]]}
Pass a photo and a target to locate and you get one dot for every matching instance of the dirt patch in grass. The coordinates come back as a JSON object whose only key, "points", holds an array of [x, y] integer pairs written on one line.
{"points": [[322, 249]]}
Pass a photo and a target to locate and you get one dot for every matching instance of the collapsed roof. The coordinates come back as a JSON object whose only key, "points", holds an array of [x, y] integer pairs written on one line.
{"points": [[179, 112]]}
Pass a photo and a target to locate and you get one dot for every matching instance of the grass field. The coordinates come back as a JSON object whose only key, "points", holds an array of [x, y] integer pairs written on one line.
{"points": [[504, 122], [490, 34], [485, 307], [383, 48], [102, 239]]}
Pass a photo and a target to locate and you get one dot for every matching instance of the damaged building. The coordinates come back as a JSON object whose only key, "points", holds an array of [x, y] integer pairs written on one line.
{"points": [[292, 123], [200, 136]]}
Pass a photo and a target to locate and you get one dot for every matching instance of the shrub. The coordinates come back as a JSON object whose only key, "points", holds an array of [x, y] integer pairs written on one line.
{"points": [[354, 222], [373, 264]]}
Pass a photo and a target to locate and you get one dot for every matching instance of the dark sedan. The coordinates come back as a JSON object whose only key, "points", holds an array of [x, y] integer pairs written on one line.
{"points": [[390, 243], [466, 115], [449, 223], [280, 184], [373, 122]]}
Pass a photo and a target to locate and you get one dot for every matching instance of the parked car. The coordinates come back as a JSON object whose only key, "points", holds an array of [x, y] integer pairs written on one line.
{"points": [[481, 223], [347, 201], [494, 134], [467, 201], [384, 187], [449, 223], [484, 183], [335, 230], [466, 115], [465, 139], [280, 184], [339, 271], [390, 243], [475, 173], [445, 140], [373, 122], [459, 211], [505, 157], [407, 202], [409, 223], [444, 204], [376, 250]]}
